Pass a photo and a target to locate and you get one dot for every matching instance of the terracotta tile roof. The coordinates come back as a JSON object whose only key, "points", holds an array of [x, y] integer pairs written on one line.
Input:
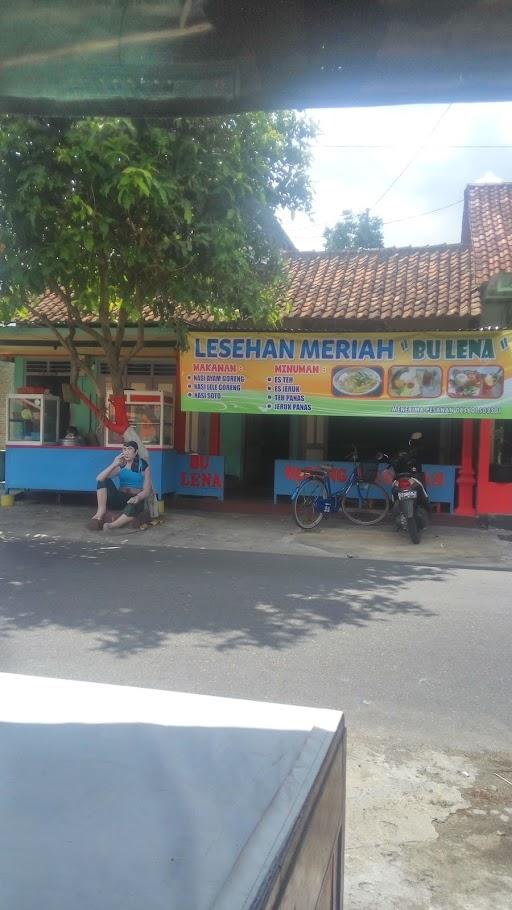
{"points": [[364, 286], [424, 283], [53, 308], [384, 284], [487, 229]]}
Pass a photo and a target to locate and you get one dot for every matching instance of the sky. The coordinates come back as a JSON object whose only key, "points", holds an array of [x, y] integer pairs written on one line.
{"points": [[418, 151]]}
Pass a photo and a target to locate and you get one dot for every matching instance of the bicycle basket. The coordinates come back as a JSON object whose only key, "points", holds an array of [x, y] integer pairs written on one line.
{"points": [[368, 472]]}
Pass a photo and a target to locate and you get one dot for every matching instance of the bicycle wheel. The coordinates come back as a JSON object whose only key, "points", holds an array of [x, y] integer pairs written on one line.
{"points": [[305, 504], [365, 503]]}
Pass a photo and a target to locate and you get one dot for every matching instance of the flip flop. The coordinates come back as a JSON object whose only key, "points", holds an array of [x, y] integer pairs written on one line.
{"points": [[95, 524]]}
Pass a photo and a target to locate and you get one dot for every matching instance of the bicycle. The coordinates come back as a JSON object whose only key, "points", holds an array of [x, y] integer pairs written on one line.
{"points": [[361, 500]]}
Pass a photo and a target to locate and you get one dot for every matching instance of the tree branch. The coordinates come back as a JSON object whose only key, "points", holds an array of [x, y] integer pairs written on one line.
{"points": [[121, 326], [140, 340], [138, 346], [74, 315], [67, 343], [104, 311], [75, 318]]}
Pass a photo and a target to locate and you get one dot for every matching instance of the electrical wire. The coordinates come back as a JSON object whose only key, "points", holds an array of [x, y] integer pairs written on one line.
{"points": [[438, 145], [441, 208], [417, 152], [422, 214]]}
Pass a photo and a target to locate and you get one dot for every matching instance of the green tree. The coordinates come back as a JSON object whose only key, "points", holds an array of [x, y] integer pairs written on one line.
{"points": [[355, 230], [115, 216]]}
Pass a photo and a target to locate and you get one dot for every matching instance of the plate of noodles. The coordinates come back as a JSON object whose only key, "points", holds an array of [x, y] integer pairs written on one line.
{"points": [[357, 381]]}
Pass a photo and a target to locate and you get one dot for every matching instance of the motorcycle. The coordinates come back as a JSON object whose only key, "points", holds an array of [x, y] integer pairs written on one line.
{"points": [[410, 500]]}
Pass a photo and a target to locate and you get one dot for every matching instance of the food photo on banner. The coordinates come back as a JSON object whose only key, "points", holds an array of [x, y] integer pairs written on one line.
{"points": [[375, 375]]}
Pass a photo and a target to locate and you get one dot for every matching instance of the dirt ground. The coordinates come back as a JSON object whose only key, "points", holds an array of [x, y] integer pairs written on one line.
{"points": [[428, 830], [43, 517]]}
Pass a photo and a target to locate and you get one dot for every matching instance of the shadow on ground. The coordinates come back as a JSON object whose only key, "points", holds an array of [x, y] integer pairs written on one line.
{"points": [[134, 600]]}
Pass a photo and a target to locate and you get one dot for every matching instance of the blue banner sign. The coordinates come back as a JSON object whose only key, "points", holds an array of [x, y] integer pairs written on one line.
{"points": [[440, 479], [199, 475]]}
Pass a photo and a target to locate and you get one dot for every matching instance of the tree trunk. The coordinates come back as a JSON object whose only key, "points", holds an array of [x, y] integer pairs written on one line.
{"points": [[121, 421], [117, 399], [112, 353]]}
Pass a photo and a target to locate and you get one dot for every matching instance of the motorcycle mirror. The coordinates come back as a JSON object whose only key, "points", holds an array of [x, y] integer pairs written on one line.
{"points": [[416, 436]]}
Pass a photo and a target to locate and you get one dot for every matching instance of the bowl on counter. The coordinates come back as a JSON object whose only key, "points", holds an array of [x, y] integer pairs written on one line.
{"points": [[72, 441]]}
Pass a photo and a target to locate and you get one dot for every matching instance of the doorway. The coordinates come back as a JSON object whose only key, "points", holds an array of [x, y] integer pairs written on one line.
{"points": [[383, 434], [267, 438]]}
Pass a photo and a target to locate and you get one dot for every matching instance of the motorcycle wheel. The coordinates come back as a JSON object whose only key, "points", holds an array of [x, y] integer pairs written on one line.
{"points": [[423, 519], [414, 531]]}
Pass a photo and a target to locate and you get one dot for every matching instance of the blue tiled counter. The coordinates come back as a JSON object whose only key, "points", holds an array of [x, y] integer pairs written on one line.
{"points": [[75, 468]]}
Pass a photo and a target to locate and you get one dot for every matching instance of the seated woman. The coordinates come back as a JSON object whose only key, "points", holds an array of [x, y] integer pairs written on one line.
{"points": [[134, 487]]}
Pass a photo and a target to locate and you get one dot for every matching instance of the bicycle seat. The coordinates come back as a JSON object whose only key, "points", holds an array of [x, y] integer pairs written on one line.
{"points": [[317, 470]]}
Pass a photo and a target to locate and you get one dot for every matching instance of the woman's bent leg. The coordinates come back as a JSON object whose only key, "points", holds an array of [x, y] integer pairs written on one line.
{"points": [[130, 512], [119, 522], [101, 495], [104, 487]]}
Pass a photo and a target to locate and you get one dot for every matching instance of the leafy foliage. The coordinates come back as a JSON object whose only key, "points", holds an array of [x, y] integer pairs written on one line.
{"points": [[115, 215], [355, 230]]}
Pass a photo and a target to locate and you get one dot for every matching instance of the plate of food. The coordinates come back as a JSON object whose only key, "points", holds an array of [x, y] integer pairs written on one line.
{"points": [[478, 382], [492, 382], [357, 381], [415, 382]]}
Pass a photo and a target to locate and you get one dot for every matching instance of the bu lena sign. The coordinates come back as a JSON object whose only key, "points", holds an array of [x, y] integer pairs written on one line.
{"points": [[439, 478], [200, 475], [375, 375]]}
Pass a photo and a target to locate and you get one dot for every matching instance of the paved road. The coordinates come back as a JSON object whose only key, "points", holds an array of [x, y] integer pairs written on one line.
{"points": [[406, 650]]}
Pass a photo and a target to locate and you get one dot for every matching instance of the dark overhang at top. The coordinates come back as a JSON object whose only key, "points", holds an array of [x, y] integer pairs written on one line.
{"points": [[169, 57]]}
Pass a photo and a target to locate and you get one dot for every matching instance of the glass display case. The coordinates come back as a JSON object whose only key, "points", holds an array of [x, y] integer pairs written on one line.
{"points": [[152, 416], [33, 420]]}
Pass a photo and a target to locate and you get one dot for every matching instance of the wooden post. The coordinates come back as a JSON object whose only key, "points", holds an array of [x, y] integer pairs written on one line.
{"points": [[466, 478], [214, 434]]}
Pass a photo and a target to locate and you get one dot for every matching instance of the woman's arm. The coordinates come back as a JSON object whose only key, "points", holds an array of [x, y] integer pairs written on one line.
{"points": [[112, 470], [146, 489]]}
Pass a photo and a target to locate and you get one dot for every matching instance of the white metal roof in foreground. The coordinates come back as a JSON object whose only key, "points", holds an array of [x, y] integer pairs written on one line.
{"points": [[118, 797]]}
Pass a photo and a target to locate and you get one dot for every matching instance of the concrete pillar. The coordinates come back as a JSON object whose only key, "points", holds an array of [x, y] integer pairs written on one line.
{"points": [[316, 438], [180, 417]]}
